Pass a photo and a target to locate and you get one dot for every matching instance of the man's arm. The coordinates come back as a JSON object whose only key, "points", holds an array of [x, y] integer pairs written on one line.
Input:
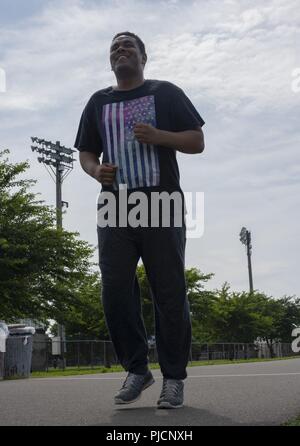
{"points": [[89, 161], [189, 141], [104, 173]]}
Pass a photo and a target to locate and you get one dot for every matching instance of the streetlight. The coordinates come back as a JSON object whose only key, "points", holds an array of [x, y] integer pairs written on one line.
{"points": [[245, 238]]}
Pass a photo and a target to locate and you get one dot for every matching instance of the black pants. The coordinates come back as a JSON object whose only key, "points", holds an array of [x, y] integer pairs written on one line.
{"points": [[162, 252]]}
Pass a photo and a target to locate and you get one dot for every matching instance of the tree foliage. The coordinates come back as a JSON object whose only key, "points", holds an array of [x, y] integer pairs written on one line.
{"points": [[41, 268], [84, 316]]}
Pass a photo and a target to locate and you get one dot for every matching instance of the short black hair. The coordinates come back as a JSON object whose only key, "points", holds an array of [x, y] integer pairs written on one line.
{"points": [[137, 38]]}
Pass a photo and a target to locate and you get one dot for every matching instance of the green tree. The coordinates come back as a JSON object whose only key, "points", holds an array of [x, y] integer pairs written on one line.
{"points": [[41, 268], [238, 316], [246, 317], [201, 305], [84, 317], [280, 317], [290, 317]]}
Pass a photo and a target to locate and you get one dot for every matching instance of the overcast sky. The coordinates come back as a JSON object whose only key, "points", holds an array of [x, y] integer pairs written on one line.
{"points": [[233, 58]]}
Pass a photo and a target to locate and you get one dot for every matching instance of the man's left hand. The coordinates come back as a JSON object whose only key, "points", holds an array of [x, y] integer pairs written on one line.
{"points": [[146, 133]]}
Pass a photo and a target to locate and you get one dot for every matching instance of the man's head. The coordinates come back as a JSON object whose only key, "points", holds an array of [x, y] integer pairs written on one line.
{"points": [[127, 54]]}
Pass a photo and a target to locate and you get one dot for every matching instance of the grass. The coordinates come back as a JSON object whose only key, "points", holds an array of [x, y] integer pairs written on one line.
{"points": [[293, 422], [70, 371]]}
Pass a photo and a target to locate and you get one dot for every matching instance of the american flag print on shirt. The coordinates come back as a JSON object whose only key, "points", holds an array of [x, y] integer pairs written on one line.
{"points": [[138, 164]]}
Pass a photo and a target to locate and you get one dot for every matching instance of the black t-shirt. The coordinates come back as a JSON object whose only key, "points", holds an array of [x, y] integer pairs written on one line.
{"points": [[106, 127]]}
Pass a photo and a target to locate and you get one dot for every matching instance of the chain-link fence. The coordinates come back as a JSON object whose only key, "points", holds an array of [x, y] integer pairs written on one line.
{"points": [[234, 351], [90, 354]]}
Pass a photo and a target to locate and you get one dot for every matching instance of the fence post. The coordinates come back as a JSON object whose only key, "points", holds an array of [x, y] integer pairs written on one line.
{"points": [[47, 355], [77, 354], [92, 354]]}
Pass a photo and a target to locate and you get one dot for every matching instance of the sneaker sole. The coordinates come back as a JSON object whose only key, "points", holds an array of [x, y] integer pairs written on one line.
{"points": [[166, 405], [120, 401]]}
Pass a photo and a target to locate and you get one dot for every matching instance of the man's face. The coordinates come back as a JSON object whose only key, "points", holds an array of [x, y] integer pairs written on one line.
{"points": [[126, 56]]}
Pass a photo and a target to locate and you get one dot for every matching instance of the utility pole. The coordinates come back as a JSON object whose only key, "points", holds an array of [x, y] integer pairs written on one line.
{"points": [[59, 205], [245, 238], [58, 165]]}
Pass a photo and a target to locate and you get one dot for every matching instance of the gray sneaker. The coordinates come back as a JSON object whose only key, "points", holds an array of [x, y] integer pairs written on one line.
{"points": [[171, 396], [133, 387]]}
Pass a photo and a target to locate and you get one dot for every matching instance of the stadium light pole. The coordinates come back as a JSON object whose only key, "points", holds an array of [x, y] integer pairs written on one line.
{"points": [[245, 238], [58, 161]]}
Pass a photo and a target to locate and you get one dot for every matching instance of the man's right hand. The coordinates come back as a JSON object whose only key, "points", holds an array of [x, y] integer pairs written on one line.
{"points": [[105, 173]]}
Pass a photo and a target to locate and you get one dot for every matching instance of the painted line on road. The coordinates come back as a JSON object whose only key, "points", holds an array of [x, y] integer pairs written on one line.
{"points": [[247, 375]]}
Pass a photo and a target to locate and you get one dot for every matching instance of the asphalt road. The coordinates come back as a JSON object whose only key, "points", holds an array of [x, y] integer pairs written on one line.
{"points": [[266, 393]]}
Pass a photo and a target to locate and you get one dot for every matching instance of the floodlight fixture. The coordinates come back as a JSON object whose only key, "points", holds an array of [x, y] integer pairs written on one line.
{"points": [[245, 238]]}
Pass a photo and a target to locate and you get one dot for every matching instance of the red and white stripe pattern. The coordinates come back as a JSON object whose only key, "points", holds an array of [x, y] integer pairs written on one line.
{"points": [[138, 164]]}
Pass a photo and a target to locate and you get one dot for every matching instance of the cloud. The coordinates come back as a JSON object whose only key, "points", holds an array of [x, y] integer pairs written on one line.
{"points": [[229, 58], [234, 59]]}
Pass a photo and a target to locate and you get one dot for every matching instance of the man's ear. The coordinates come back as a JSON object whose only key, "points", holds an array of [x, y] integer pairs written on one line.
{"points": [[144, 60]]}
